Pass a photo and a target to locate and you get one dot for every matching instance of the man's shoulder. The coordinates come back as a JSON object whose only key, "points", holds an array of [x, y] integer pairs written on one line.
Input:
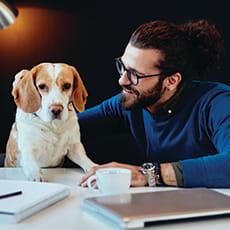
{"points": [[207, 93], [207, 89], [209, 85]]}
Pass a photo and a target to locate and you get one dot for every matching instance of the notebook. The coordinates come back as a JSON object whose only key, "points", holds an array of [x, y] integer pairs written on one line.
{"points": [[135, 210], [35, 196]]}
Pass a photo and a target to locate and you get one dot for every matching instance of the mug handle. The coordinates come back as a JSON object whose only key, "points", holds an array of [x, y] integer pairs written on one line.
{"points": [[89, 182]]}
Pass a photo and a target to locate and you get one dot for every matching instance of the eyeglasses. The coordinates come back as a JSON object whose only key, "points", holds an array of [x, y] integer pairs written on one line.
{"points": [[132, 75]]}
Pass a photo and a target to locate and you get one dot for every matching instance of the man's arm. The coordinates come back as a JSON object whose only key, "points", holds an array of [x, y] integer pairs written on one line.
{"points": [[96, 122], [102, 120], [138, 179], [212, 170]]}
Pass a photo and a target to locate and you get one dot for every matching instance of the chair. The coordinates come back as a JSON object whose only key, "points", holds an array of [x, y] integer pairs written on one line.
{"points": [[2, 158]]}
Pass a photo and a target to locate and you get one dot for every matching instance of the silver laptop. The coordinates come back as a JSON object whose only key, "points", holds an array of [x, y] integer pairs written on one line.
{"points": [[135, 210]]}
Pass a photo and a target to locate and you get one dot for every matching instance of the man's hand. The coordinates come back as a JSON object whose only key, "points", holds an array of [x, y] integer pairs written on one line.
{"points": [[138, 179]]}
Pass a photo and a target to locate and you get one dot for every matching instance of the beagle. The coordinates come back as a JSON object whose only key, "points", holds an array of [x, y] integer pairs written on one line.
{"points": [[46, 127]]}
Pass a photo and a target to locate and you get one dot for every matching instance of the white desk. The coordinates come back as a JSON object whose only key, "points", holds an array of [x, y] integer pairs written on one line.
{"points": [[68, 214]]}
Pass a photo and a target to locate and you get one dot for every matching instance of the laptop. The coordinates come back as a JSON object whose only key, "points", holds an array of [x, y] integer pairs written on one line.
{"points": [[134, 210]]}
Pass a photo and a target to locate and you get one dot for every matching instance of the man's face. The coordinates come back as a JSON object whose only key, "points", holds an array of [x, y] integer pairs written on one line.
{"points": [[149, 90]]}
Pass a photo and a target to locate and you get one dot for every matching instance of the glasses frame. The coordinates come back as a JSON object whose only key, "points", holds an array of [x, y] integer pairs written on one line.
{"points": [[118, 62]]}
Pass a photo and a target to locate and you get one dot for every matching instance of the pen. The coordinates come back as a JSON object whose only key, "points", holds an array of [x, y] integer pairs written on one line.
{"points": [[10, 194]]}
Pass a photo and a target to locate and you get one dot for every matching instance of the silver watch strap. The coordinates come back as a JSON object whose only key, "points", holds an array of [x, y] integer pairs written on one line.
{"points": [[148, 169], [151, 179]]}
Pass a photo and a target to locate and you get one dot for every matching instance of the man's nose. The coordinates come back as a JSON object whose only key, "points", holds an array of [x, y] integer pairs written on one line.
{"points": [[124, 80]]}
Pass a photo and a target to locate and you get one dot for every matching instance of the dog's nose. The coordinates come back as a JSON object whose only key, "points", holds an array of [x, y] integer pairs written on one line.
{"points": [[56, 110]]}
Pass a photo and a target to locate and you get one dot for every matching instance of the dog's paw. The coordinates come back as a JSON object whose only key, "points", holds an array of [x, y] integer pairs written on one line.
{"points": [[90, 167], [35, 175]]}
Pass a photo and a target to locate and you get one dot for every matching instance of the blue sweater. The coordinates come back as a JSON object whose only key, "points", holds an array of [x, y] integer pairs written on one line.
{"points": [[196, 132]]}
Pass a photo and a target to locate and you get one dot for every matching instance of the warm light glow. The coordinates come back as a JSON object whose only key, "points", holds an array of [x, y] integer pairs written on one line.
{"points": [[38, 35]]}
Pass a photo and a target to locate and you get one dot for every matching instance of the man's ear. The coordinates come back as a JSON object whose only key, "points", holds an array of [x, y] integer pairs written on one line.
{"points": [[173, 81], [79, 92]]}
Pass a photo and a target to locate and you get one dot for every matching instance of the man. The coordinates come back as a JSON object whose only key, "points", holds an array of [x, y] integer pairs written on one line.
{"points": [[180, 125]]}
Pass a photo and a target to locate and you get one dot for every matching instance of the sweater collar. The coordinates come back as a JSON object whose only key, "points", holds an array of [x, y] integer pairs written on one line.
{"points": [[170, 106]]}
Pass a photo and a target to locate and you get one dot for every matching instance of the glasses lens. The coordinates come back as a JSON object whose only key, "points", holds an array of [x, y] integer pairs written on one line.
{"points": [[133, 77], [120, 67]]}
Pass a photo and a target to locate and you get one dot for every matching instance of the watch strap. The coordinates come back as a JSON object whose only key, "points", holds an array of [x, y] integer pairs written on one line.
{"points": [[158, 174], [151, 179], [148, 169]]}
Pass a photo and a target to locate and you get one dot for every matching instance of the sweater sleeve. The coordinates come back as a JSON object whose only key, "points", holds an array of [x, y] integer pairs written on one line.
{"points": [[212, 170], [102, 120]]}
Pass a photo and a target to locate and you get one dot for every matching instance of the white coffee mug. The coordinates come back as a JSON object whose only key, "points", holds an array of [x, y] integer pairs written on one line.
{"points": [[111, 180]]}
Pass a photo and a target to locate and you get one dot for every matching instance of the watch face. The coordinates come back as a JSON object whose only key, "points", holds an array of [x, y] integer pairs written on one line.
{"points": [[148, 165]]}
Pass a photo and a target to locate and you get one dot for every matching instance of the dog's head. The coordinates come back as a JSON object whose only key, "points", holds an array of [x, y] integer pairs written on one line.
{"points": [[48, 89]]}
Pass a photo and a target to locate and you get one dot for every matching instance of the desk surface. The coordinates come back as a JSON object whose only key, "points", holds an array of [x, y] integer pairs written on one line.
{"points": [[69, 214]]}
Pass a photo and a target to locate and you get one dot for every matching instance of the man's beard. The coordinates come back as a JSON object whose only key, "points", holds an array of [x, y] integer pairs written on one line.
{"points": [[134, 100]]}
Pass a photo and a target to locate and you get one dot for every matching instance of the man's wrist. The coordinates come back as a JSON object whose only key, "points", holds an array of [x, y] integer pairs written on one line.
{"points": [[168, 174]]}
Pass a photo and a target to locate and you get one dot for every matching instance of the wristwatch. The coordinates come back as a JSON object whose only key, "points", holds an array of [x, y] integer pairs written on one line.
{"points": [[148, 169]]}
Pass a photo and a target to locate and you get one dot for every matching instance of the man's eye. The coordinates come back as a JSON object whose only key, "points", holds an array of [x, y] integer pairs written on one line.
{"points": [[66, 86], [42, 86]]}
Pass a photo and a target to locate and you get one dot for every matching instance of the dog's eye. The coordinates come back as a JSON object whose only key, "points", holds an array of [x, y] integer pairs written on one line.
{"points": [[42, 86], [66, 86]]}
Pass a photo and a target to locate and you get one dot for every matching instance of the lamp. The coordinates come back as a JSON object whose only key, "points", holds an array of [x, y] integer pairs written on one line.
{"points": [[8, 14]]}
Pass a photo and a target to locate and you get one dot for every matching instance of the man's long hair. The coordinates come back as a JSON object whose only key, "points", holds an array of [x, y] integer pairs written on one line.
{"points": [[191, 49]]}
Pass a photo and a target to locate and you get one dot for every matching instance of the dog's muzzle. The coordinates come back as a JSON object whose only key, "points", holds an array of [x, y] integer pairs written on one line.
{"points": [[55, 111]]}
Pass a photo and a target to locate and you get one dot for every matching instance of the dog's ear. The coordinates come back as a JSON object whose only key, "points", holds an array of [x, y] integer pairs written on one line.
{"points": [[79, 92], [26, 95]]}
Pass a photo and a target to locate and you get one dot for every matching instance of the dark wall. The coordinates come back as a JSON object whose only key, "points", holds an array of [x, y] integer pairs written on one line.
{"points": [[88, 37]]}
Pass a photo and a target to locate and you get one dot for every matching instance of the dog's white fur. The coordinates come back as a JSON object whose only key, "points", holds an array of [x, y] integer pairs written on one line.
{"points": [[41, 137]]}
